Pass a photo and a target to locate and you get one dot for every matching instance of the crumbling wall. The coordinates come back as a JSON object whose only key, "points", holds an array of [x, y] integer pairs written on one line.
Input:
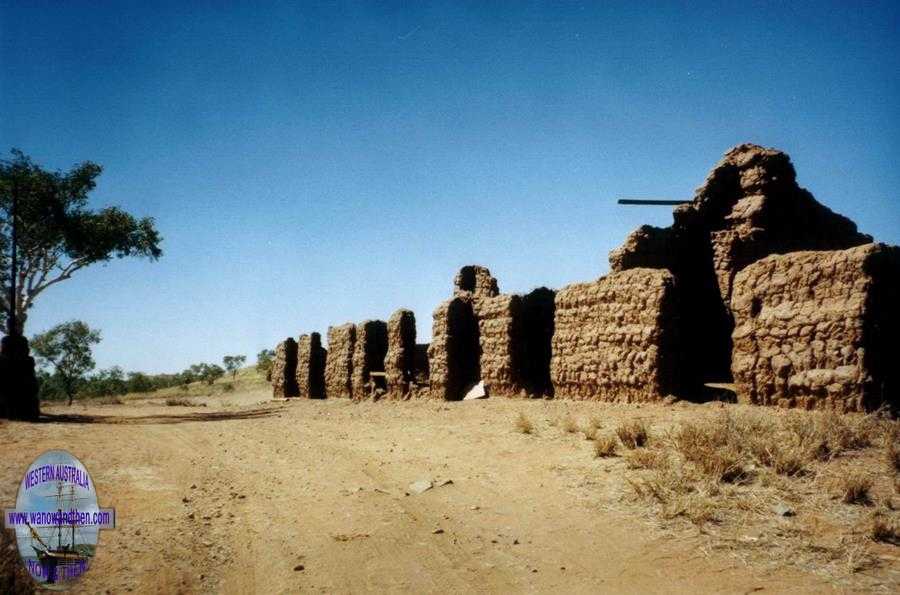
{"points": [[400, 361], [615, 338], [284, 370], [454, 352], [500, 338], [368, 356], [750, 206], [339, 363], [311, 366], [818, 330], [474, 281], [538, 309]]}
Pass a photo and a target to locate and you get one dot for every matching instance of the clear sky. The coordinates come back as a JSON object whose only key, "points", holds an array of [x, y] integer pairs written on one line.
{"points": [[315, 164]]}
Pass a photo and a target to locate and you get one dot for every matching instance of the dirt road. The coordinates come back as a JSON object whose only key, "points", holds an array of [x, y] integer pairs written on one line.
{"points": [[248, 495]]}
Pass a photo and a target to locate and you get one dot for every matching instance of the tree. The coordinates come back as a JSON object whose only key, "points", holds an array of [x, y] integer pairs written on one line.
{"points": [[264, 361], [57, 234], [207, 373], [67, 347], [233, 363]]}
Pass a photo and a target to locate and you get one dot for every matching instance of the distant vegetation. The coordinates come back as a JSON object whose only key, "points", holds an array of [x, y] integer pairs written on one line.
{"points": [[65, 364], [233, 363], [264, 362]]}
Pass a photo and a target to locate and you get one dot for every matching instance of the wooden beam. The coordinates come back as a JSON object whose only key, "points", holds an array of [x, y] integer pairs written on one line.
{"points": [[639, 201]]}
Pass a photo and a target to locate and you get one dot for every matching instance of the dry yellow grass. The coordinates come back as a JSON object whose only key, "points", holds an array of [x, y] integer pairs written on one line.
{"points": [[633, 434], [884, 529], [605, 446], [524, 425], [854, 489]]}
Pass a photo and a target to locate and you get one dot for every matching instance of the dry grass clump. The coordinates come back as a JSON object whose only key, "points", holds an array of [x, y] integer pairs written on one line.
{"points": [[596, 422], [590, 433], [633, 434], [569, 425], [746, 448], [677, 492], [884, 529], [712, 447], [855, 488], [524, 425], [646, 458], [605, 446], [752, 479], [892, 452]]}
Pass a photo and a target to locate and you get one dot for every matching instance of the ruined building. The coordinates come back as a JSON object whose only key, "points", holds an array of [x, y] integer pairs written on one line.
{"points": [[615, 339], [754, 280], [819, 329], [284, 369], [311, 359], [749, 207]]}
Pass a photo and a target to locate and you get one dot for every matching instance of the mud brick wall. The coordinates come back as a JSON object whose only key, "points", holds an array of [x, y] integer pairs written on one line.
{"points": [[474, 281], [284, 370], [339, 363], [501, 339], [400, 361], [454, 352], [311, 366], [368, 355], [749, 207], [614, 338], [818, 330]]}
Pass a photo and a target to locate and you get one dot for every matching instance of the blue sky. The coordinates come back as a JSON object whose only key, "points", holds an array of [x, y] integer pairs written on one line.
{"points": [[311, 164]]}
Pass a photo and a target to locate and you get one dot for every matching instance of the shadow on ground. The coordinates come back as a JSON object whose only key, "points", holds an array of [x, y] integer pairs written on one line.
{"points": [[77, 418]]}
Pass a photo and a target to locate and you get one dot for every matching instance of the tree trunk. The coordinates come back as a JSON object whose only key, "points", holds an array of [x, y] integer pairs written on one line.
{"points": [[21, 317]]}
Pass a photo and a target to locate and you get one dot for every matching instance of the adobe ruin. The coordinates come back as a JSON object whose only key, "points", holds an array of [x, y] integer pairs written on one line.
{"points": [[750, 206], [311, 359], [339, 363], [369, 349], [615, 339], [284, 370], [818, 330]]}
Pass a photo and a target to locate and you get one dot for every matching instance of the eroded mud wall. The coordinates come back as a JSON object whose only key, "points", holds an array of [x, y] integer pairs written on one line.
{"points": [[368, 356], [454, 352], [310, 366], [400, 361], [614, 338], [475, 281], [284, 369], [339, 363], [818, 330], [501, 342], [750, 206]]}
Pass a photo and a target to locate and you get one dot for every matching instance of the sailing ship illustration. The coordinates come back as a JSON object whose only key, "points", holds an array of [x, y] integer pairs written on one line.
{"points": [[69, 558]]}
